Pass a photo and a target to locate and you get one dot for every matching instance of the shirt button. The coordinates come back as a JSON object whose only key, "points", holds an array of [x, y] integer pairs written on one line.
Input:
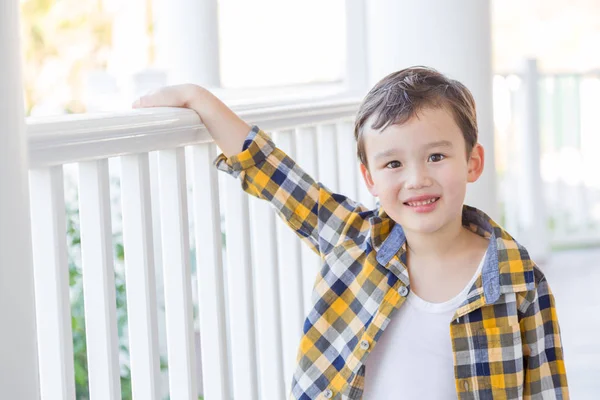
{"points": [[466, 385], [328, 394], [364, 345], [403, 291]]}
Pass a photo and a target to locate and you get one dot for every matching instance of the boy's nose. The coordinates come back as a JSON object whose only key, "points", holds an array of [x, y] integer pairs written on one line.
{"points": [[418, 178]]}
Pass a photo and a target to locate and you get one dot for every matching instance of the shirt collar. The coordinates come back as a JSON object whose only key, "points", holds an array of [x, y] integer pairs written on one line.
{"points": [[507, 267]]}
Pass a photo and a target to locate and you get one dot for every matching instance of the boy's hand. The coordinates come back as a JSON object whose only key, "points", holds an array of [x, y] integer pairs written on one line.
{"points": [[225, 127], [169, 96]]}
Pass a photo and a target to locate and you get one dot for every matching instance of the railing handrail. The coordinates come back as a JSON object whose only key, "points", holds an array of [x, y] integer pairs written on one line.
{"points": [[82, 137], [593, 73]]}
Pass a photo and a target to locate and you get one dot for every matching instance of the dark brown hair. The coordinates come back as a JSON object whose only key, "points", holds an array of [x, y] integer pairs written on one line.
{"points": [[401, 95]]}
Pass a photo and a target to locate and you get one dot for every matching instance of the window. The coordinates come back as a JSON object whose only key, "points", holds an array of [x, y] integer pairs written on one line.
{"points": [[280, 42]]}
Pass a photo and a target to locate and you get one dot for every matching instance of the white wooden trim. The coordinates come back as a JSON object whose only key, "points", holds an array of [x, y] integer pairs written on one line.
{"points": [[347, 159], [532, 204], [268, 320], [327, 150], [75, 138], [240, 291], [98, 281], [51, 271], [140, 277], [18, 347], [187, 41], [177, 275], [356, 47], [211, 307]]}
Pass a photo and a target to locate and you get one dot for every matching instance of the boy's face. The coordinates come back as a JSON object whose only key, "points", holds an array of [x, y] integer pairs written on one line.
{"points": [[424, 158]]}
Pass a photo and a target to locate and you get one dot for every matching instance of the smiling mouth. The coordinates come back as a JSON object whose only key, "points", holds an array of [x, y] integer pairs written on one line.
{"points": [[421, 203]]}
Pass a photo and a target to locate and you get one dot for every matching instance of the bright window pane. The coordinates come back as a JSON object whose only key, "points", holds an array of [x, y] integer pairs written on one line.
{"points": [[281, 42]]}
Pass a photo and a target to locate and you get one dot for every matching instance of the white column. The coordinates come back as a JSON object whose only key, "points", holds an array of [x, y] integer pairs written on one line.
{"points": [[453, 37], [356, 60], [129, 37], [531, 203], [130, 45], [187, 40], [18, 346]]}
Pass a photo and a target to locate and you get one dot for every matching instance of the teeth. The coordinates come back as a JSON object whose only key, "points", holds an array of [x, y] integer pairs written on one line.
{"points": [[421, 203]]}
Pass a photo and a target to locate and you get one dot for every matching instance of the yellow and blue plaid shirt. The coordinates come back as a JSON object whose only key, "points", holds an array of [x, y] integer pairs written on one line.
{"points": [[505, 335]]}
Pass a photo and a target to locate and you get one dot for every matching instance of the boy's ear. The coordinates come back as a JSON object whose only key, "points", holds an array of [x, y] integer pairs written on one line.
{"points": [[476, 163], [368, 179]]}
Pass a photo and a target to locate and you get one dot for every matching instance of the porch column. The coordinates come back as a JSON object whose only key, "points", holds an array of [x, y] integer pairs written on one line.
{"points": [[356, 52], [187, 41], [453, 37], [532, 217], [18, 345]]}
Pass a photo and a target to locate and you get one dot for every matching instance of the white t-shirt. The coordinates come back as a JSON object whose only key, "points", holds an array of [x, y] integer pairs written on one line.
{"points": [[413, 359]]}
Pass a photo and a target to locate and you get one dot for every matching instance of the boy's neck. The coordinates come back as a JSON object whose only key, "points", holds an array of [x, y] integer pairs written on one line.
{"points": [[449, 241]]}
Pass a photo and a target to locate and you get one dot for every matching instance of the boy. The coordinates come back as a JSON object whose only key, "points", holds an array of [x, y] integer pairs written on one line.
{"points": [[464, 310]]}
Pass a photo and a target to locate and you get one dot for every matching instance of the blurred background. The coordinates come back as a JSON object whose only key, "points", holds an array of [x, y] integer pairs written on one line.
{"points": [[90, 56]]}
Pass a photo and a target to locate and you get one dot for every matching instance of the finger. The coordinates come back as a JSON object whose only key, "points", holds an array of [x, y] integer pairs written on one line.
{"points": [[146, 100]]}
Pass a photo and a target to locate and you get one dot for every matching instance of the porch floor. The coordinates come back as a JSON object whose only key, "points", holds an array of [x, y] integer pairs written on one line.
{"points": [[574, 277]]}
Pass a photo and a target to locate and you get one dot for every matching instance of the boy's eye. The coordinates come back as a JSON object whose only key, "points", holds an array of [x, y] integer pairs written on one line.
{"points": [[436, 157], [393, 164]]}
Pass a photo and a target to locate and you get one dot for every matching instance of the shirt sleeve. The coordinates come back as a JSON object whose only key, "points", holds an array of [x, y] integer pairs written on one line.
{"points": [[544, 366], [318, 216]]}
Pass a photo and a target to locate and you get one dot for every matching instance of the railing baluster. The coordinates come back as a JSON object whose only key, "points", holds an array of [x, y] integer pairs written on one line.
{"points": [[328, 156], [268, 326], [241, 305], [177, 275], [207, 225], [140, 279], [348, 164], [98, 281], [51, 273]]}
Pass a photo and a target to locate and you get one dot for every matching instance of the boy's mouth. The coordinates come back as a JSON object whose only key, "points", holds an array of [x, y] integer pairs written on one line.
{"points": [[421, 203]]}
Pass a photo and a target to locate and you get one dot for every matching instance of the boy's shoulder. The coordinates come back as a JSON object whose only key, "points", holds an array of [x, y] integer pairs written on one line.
{"points": [[540, 289]]}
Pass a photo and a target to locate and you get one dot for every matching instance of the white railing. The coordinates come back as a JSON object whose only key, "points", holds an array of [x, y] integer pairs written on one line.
{"points": [[249, 323], [547, 129]]}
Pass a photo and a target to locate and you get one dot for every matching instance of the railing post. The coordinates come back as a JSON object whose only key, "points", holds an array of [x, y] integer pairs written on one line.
{"points": [[18, 346], [532, 208]]}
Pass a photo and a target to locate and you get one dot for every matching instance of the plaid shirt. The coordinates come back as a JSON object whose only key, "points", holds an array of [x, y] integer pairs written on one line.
{"points": [[505, 335]]}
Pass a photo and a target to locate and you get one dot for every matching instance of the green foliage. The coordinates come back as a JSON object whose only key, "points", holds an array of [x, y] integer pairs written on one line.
{"points": [[62, 40], [77, 306]]}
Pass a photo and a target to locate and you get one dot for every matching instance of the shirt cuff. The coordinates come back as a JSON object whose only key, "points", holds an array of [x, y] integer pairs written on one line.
{"points": [[257, 147]]}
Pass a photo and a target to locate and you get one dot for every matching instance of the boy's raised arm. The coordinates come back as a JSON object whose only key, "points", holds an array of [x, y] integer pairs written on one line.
{"points": [[318, 216], [226, 128]]}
